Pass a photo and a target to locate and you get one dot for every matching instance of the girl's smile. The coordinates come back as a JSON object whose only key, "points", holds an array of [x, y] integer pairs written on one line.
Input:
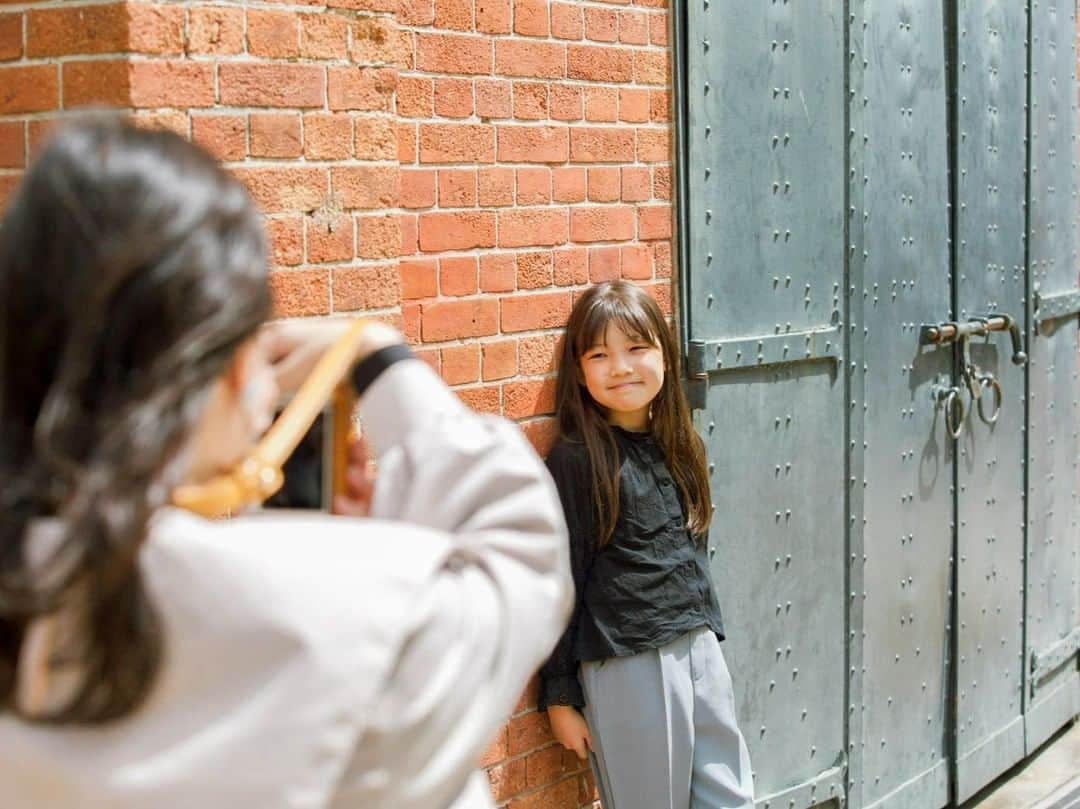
{"points": [[623, 374]]}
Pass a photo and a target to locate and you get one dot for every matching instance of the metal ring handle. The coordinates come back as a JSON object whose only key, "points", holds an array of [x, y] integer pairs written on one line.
{"points": [[989, 381], [954, 423]]}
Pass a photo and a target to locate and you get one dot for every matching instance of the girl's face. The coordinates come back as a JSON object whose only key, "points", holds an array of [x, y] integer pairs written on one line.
{"points": [[623, 375]]}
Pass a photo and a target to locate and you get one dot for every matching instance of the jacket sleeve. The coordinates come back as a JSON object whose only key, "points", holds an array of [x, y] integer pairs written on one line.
{"points": [[489, 616], [559, 684]]}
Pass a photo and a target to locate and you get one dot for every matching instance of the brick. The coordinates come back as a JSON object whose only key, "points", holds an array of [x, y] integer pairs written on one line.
{"points": [[324, 35], [419, 278], [654, 222], [601, 24], [8, 185], [329, 136], [482, 399], [633, 105], [562, 793], [531, 730], [566, 21], [430, 356], [300, 292], [370, 287], [362, 5], [454, 320], [406, 143], [495, 187], [275, 34], [80, 30], [594, 144], [545, 767], [530, 100], [601, 104], [12, 144], [456, 15], [662, 259], [499, 359], [457, 188], [214, 30], [462, 230], [457, 143], [528, 227], [415, 97], [651, 67], [286, 236], [417, 12], [654, 145], [566, 102], [507, 779], [568, 184], [493, 98], [271, 85], [571, 267], [366, 187], [522, 400], [545, 310], [29, 89], [661, 292], [275, 135], [599, 63], [85, 83], [378, 236], [375, 41], [417, 188], [170, 84], [410, 320], [636, 184], [604, 184], [39, 132], [498, 272], [525, 58], [531, 18], [533, 144], [11, 36], [453, 98], [453, 53], [659, 106], [458, 275], [330, 237], [662, 182], [225, 136], [493, 16], [360, 88], [637, 262], [533, 186], [496, 751], [534, 270], [658, 29], [295, 188], [163, 120], [542, 433], [607, 223], [460, 364], [604, 264], [633, 27], [373, 138]]}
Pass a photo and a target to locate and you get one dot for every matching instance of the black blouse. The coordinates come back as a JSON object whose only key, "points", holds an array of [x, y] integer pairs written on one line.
{"points": [[647, 586]]}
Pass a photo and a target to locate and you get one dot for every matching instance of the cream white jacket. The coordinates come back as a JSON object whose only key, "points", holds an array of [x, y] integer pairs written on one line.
{"points": [[319, 661]]}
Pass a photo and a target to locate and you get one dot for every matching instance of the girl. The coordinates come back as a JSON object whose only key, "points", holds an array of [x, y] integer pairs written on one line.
{"points": [[152, 658], [641, 658]]}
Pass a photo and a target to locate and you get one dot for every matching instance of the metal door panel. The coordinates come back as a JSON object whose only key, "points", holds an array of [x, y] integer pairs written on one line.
{"points": [[1053, 593], [765, 262], [908, 463], [989, 175]]}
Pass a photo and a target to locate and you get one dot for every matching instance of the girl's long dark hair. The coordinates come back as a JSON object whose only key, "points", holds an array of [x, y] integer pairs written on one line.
{"points": [[131, 269], [628, 307]]}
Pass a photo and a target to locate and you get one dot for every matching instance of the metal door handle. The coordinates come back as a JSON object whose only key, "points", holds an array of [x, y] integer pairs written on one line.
{"points": [[979, 326], [951, 399]]}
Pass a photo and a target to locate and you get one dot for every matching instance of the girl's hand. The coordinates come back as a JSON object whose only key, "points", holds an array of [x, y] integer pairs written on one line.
{"points": [[569, 728], [294, 347], [359, 483]]}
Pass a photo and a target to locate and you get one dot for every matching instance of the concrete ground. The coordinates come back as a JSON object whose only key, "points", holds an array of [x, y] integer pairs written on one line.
{"points": [[1049, 780]]}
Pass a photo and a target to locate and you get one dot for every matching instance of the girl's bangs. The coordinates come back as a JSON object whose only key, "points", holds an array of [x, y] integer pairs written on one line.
{"points": [[633, 320]]}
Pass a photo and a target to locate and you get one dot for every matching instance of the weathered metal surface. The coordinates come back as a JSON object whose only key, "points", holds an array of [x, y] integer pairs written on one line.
{"points": [[705, 357], [1056, 305], [990, 66], [1046, 662], [1053, 542], [765, 187]]}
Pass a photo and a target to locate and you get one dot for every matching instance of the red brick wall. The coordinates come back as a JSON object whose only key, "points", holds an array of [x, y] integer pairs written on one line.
{"points": [[458, 166]]}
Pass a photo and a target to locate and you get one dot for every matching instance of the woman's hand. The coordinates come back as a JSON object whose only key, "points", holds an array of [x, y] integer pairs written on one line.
{"points": [[294, 347], [570, 729], [359, 483]]}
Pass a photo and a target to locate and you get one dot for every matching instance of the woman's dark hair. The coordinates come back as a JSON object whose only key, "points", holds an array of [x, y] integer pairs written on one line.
{"points": [[132, 267], [628, 307]]}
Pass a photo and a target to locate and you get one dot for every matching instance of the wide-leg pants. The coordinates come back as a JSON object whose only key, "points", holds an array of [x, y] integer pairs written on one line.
{"points": [[663, 728]]}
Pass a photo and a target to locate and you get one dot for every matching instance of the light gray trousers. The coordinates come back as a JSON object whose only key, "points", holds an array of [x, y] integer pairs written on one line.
{"points": [[663, 729]]}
